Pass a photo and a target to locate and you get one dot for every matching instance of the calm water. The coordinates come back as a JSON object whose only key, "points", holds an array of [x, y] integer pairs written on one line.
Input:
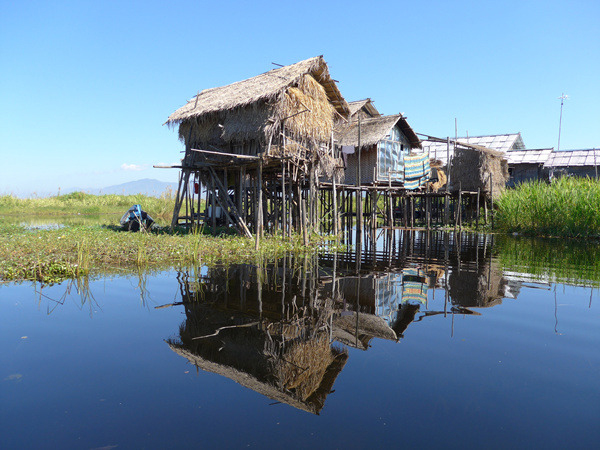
{"points": [[420, 341]]}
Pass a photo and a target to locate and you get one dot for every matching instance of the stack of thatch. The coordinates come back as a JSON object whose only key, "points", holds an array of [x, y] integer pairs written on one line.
{"points": [[476, 167]]}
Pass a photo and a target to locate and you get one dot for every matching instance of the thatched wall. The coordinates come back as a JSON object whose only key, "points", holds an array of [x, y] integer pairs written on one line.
{"points": [[368, 162], [471, 169]]}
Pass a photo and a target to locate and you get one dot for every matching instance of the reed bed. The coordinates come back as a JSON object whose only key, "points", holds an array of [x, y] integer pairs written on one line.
{"points": [[52, 255], [568, 207], [82, 203]]}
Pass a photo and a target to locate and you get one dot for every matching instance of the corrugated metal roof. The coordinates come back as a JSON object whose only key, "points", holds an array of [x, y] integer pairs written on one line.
{"points": [[500, 142], [533, 156], [572, 158]]}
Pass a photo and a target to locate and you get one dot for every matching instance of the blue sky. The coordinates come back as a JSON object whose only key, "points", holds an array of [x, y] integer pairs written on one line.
{"points": [[85, 86]]}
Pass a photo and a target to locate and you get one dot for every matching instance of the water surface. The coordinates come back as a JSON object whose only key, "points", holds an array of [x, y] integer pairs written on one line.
{"points": [[422, 340]]}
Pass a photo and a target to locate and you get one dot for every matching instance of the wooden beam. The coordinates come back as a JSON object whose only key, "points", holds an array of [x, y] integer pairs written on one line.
{"points": [[225, 154]]}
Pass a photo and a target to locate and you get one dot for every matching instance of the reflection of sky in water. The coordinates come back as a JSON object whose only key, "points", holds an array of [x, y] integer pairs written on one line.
{"points": [[484, 355]]}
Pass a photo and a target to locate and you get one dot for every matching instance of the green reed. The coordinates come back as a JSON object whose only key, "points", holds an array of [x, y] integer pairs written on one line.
{"points": [[82, 203], [568, 207]]}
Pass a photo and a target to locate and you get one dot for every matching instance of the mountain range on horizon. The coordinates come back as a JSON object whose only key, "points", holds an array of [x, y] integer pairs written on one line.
{"points": [[146, 186]]}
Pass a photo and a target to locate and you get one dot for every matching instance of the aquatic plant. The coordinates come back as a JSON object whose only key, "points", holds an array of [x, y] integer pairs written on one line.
{"points": [[50, 255], [568, 207]]}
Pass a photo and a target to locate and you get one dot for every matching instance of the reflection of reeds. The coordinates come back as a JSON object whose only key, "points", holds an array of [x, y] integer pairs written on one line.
{"points": [[560, 260]]}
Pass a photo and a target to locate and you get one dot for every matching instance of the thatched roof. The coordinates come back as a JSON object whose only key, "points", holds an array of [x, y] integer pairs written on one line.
{"points": [[265, 87], [368, 106], [374, 130]]}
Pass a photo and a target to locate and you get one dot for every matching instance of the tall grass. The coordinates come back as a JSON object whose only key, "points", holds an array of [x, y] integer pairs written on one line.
{"points": [[82, 203], [568, 207]]}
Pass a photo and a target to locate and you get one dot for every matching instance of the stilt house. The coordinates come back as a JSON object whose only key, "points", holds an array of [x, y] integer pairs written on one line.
{"points": [[383, 142], [267, 137]]}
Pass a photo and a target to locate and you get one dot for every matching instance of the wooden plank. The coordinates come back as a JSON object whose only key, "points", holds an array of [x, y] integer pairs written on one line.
{"points": [[225, 154]]}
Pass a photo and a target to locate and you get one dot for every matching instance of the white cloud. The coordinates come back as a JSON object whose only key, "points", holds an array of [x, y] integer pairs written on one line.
{"points": [[135, 167]]}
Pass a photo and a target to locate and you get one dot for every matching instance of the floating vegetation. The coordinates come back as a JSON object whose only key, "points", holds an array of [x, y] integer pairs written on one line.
{"points": [[52, 255]]}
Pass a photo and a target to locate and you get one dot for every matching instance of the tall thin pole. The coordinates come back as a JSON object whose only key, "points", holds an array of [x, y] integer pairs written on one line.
{"points": [[359, 205], [562, 99]]}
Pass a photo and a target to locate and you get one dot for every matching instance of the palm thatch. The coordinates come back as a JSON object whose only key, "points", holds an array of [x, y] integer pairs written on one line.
{"points": [[479, 168], [374, 130], [301, 97], [365, 108]]}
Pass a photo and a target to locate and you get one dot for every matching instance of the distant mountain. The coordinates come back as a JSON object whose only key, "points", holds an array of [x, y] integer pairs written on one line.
{"points": [[146, 186]]}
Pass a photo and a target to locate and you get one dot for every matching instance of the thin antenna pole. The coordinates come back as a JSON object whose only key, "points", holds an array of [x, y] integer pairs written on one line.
{"points": [[562, 99]]}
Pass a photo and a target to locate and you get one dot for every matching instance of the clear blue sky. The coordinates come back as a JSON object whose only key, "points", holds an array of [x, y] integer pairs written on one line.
{"points": [[85, 86]]}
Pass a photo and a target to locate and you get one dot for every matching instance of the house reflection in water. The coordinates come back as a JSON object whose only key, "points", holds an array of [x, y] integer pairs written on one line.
{"points": [[283, 330]]}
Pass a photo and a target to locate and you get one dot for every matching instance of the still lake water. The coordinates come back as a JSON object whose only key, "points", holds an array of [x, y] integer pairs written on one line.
{"points": [[425, 340]]}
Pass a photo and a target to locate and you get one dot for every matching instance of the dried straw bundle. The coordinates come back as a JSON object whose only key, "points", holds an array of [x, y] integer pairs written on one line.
{"points": [[305, 110], [471, 169]]}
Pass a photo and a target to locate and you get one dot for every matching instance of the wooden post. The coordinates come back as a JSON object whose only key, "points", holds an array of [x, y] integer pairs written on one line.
{"points": [[175, 218], [283, 207], [213, 203], [492, 197], [335, 207], [477, 213], [259, 208], [303, 214], [359, 205]]}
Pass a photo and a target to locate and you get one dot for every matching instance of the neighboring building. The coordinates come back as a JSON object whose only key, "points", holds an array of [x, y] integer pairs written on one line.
{"points": [[542, 164], [501, 142], [526, 165], [385, 141], [365, 109], [581, 163]]}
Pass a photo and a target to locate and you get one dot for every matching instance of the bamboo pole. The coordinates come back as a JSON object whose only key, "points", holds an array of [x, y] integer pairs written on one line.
{"points": [[359, 205], [259, 209], [283, 207], [335, 208], [213, 202]]}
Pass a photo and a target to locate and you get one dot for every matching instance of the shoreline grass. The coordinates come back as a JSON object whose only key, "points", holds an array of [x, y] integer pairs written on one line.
{"points": [[569, 207], [80, 203]]}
